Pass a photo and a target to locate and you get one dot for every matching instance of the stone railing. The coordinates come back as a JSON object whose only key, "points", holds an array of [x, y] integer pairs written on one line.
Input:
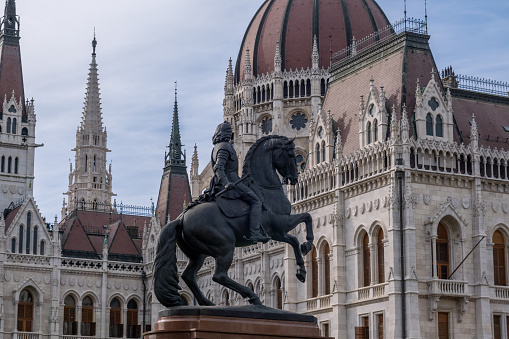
{"points": [[88, 264], [319, 302], [26, 335], [313, 182], [75, 337], [448, 287], [500, 292], [374, 291], [28, 259]]}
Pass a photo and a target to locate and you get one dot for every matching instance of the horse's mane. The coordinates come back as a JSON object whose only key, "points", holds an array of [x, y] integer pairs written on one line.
{"points": [[246, 168]]}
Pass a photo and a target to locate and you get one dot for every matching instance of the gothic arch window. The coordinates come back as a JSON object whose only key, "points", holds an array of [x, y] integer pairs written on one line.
{"points": [[285, 90], [326, 268], [9, 165], [25, 318], [291, 89], [8, 125], [278, 294], [133, 329], [308, 87], [14, 126], [302, 88], [366, 261], [13, 245], [86, 163], [70, 326], [87, 317], [24, 131], [3, 164], [499, 267], [116, 327], [16, 161], [429, 124], [29, 228], [263, 93], [375, 130], [438, 126], [322, 87], [42, 247], [21, 231], [226, 298], [94, 164], [314, 273], [317, 153], [323, 150], [368, 133], [380, 256], [36, 230], [442, 253]]}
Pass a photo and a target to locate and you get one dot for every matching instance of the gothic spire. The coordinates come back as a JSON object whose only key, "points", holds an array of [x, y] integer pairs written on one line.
{"points": [[92, 116], [174, 156]]}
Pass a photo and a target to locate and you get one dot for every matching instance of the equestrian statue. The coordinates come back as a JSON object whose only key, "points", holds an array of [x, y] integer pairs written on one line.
{"points": [[229, 214]]}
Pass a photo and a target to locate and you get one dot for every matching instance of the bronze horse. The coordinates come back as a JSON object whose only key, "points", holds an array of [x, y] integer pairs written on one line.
{"points": [[203, 230]]}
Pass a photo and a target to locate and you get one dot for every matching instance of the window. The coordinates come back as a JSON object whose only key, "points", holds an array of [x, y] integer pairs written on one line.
{"points": [[442, 252], [298, 121], [380, 257], [368, 131], [317, 153], [325, 329], [94, 164], [9, 165], [497, 332], [3, 164], [25, 312], [267, 125], [16, 161], [116, 327], [36, 229], [70, 324], [326, 269], [366, 265], [499, 259], [429, 124], [323, 150], [86, 163], [443, 325], [375, 130], [314, 273], [29, 226], [20, 250], [278, 294], [24, 131], [8, 125], [362, 331], [226, 298], [438, 127], [13, 245], [433, 104], [87, 317], [380, 326], [133, 329], [14, 126], [42, 249]]}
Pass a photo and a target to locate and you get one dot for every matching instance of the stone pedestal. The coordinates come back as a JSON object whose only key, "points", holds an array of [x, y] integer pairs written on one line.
{"points": [[234, 322]]}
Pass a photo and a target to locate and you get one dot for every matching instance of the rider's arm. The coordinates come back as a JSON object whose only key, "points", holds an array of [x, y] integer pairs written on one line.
{"points": [[219, 167]]}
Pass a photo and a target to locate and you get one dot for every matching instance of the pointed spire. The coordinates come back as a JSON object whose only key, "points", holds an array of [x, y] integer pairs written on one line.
{"points": [[194, 163], [94, 44], [92, 116], [394, 124], [418, 93], [247, 66], [405, 127], [174, 156], [474, 134], [10, 21], [277, 57], [338, 146], [315, 57]]}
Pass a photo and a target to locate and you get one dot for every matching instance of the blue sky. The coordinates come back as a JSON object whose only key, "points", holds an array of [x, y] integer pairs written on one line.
{"points": [[143, 47]]}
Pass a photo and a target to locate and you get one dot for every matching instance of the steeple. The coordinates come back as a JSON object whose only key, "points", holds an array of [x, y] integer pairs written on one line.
{"points": [[90, 182], [174, 156], [174, 191], [9, 25]]}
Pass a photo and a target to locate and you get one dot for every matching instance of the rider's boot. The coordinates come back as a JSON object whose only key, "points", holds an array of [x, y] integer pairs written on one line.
{"points": [[255, 229]]}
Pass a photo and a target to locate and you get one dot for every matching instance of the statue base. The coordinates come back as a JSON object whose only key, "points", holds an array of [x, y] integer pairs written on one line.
{"points": [[234, 322]]}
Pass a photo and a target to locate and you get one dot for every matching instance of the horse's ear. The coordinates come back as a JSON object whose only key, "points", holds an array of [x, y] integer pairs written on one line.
{"points": [[290, 141]]}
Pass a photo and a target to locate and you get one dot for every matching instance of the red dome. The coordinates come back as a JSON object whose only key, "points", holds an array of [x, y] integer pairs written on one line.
{"points": [[295, 22]]}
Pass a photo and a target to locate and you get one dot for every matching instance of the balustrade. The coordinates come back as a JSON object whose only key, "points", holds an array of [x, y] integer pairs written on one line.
{"points": [[319, 302], [448, 287]]}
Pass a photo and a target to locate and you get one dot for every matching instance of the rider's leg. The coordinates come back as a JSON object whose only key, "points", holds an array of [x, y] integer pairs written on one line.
{"points": [[255, 215]]}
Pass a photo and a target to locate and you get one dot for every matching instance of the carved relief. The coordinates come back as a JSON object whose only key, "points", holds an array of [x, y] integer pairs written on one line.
{"points": [[466, 203], [426, 199]]}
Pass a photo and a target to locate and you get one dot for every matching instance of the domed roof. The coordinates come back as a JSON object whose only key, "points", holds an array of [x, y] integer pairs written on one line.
{"points": [[295, 22]]}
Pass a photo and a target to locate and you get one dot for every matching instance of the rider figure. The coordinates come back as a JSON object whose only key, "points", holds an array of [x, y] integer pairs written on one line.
{"points": [[226, 167]]}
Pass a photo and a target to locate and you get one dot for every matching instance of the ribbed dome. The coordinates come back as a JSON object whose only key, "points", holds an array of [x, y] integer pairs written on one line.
{"points": [[295, 22]]}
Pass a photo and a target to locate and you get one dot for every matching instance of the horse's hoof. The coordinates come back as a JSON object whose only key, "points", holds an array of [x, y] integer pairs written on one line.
{"points": [[305, 248], [301, 275]]}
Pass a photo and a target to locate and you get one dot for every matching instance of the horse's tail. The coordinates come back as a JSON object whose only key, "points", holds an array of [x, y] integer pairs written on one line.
{"points": [[166, 277]]}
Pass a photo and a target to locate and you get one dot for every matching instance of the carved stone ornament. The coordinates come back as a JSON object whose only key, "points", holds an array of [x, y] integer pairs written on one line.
{"points": [[433, 304], [455, 202], [377, 204], [355, 211], [363, 208], [427, 199], [370, 206], [348, 212], [466, 203], [505, 207], [495, 206]]}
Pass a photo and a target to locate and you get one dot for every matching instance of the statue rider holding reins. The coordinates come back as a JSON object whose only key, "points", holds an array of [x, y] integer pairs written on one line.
{"points": [[225, 164]]}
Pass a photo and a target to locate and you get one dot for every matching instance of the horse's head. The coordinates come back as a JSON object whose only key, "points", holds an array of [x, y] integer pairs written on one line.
{"points": [[285, 161]]}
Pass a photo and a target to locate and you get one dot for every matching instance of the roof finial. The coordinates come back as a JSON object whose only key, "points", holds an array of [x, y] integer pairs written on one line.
{"points": [[175, 90], [94, 43]]}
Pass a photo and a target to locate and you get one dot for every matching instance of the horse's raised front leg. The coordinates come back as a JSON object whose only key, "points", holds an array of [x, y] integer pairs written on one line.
{"points": [[293, 221], [294, 242], [189, 277], [221, 277]]}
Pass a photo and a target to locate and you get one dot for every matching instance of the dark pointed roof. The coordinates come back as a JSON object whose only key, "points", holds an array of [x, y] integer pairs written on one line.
{"points": [[175, 157]]}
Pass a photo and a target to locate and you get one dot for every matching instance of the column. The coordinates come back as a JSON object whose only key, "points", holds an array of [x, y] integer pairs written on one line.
{"points": [[434, 256]]}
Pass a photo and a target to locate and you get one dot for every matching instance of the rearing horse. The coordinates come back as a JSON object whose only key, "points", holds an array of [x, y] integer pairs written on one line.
{"points": [[203, 230]]}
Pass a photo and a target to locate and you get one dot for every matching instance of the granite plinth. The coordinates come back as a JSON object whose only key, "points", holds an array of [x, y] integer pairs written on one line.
{"points": [[239, 322]]}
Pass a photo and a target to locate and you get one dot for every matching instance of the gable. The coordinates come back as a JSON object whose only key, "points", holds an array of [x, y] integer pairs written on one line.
{"points": [[122, 243]]}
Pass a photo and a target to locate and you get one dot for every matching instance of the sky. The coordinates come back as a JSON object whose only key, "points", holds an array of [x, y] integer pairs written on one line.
{"points": [[145, 46]]}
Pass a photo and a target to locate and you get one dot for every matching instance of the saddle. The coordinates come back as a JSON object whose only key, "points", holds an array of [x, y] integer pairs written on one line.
{"points": [[233, 208]]}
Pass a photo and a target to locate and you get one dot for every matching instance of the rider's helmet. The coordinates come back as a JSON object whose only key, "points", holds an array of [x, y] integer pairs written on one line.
{"points": [[223, 132]]}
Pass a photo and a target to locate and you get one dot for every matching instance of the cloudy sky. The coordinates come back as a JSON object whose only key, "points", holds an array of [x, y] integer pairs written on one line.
{"points": [[145, 46]]}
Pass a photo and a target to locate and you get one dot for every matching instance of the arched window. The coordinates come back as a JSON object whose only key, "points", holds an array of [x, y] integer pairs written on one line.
{"points": [[133, 329], [29, 227], [13, 245], [499, 259], [36, 229], [14, 126], [317, 153], [94, 164], [70, 324], [86, 162], [442, 254], [375, 130], [285, 90], [429, 124], [380, 257], [8, 125], [314, 273], [323, 150], [116, 327], [226, 298], [16, 161], [25, 312], [278, 294], [368, 133], [42, 249], [87, 317], [21, 231], [326, 269], [24, 131], [9, 165], [366, 261], [438, 127], [3, 164]]}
